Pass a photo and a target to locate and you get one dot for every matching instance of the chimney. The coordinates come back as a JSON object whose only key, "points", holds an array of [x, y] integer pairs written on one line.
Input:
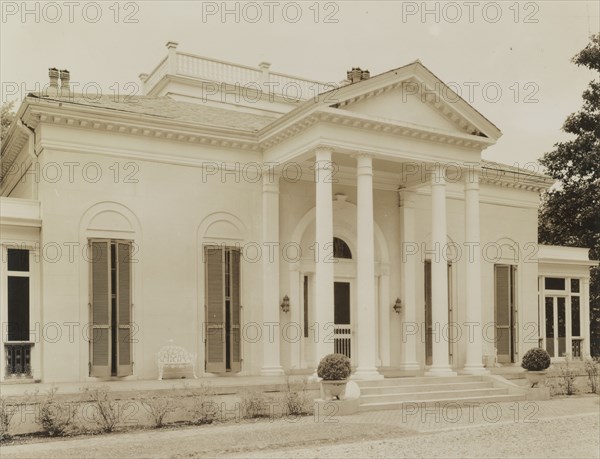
{"points": [[65, 78], [357, 74], [53, 89]]}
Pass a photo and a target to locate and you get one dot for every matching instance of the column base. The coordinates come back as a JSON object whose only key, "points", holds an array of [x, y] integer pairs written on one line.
{"points": [[272, 371], [475, 370], [409, 366], [440, 371], [366, 373]]}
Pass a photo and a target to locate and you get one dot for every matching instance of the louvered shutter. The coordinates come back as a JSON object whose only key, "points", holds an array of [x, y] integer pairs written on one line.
{"points": [[235, 334], [502, 318], [428, 315], [124, 338], [215, 309], [100, 313]]}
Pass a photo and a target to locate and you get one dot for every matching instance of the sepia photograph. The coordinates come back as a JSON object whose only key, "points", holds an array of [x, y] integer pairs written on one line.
{"points": [[304, 229]]}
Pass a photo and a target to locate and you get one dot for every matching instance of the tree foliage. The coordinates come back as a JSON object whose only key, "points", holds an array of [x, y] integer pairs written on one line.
{"points": [[570, 212], [6, 118]]}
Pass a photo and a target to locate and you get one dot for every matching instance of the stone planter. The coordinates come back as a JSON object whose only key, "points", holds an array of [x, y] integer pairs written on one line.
{"points": [[333, 390], [535, 377]]}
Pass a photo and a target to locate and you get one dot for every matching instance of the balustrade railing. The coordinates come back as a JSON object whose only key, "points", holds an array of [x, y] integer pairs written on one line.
{"points": [[214, 70], [18, 359]]}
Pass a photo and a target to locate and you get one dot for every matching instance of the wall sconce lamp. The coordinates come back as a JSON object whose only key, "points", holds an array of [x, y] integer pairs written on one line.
{"points": [[285, 304], [398, 306]]}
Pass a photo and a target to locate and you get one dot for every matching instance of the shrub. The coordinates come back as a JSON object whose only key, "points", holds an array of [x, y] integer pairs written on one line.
{"points": [[254, 403], [334, 367], [107, 415], [55, 418], [204, 409], [536, 359], [158, 408], [566, 377], [592, 368], [7, 411], [295, 398]]}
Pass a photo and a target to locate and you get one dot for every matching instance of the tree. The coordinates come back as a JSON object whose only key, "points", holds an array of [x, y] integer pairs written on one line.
{"points": [[6, 118], [570, 211]]}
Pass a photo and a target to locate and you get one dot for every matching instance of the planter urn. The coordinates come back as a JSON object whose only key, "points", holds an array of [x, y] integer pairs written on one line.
{"points": [[535, 377], [333, 390]]}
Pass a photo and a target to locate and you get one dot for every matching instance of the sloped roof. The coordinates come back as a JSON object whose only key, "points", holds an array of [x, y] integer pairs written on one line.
{"points": [[167, 108]]}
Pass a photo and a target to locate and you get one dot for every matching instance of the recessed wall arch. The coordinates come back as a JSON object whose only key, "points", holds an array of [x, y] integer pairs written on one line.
{"points": [[111, 220]]}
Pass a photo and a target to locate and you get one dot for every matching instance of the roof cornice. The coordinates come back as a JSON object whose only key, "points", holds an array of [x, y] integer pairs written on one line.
{"points": [[86, 117], [379, 125]]}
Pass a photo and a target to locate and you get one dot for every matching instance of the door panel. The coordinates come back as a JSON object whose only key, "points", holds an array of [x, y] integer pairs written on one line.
{"points": [[428, 313], [342, 338], [100, 303], [215, 309], [504, 312]]}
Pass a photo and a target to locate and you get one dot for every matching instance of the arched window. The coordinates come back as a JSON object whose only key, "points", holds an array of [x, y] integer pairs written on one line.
{"points": [[341, 249]]}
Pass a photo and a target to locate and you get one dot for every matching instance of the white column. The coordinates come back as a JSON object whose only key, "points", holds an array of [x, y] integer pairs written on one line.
{"points": [[409, 331], [439, 277], [473, 299], [270, 276], [365, 271], [323, 317]]}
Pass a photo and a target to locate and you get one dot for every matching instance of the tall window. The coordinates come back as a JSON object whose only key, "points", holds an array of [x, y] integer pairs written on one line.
{"points": [[18, 294], [17, 347], [560, 316], [223, 334], [110, 308]]}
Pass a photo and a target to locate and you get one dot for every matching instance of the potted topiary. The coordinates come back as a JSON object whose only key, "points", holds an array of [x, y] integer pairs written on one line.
{"points": [[334, 370], [535, 361]]}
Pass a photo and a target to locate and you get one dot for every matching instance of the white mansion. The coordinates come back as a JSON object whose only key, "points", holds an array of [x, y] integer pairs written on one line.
{"points": [[261, 221]]}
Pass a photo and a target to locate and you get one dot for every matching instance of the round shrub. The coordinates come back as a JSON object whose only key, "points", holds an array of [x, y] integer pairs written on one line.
{"points": [[334, 367], [536, 359]]}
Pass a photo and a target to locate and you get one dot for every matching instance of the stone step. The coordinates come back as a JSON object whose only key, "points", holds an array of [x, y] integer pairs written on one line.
{"points": [[402, 389], [438, 395], [415, 381], [447, 403]]}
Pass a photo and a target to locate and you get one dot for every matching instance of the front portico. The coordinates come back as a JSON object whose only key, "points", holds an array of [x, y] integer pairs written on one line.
{"points": [[398, 155]]}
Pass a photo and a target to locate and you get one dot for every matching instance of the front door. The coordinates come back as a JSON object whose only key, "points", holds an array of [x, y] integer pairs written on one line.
{"points": [[342, 332], [428, 315]]}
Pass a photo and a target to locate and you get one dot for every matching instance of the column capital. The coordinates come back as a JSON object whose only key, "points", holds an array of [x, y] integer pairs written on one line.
{"points": [[471, 179], [323, 153], [362, 154], [364, 163]]}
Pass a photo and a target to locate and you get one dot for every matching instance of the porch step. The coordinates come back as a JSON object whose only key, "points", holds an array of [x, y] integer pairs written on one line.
{"points": [[437, 395], [448, 402], [422, 388], [397, 393], [420, 380]]}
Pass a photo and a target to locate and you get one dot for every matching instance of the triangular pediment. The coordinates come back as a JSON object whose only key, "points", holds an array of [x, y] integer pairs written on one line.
{"points": [[406, 104]]}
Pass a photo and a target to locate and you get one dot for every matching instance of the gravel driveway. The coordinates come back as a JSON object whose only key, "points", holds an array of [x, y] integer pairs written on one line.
{"points": [[568, 427]]}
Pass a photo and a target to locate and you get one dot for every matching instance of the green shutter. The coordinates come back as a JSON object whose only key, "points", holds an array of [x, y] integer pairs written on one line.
{"points": [[215, 309], [235, 335], [124, 338], [100, 314], [428, 315], [502, 312]]}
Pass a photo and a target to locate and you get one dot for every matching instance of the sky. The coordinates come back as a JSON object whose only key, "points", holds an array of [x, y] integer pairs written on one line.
{"points": [[511, 60]]}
